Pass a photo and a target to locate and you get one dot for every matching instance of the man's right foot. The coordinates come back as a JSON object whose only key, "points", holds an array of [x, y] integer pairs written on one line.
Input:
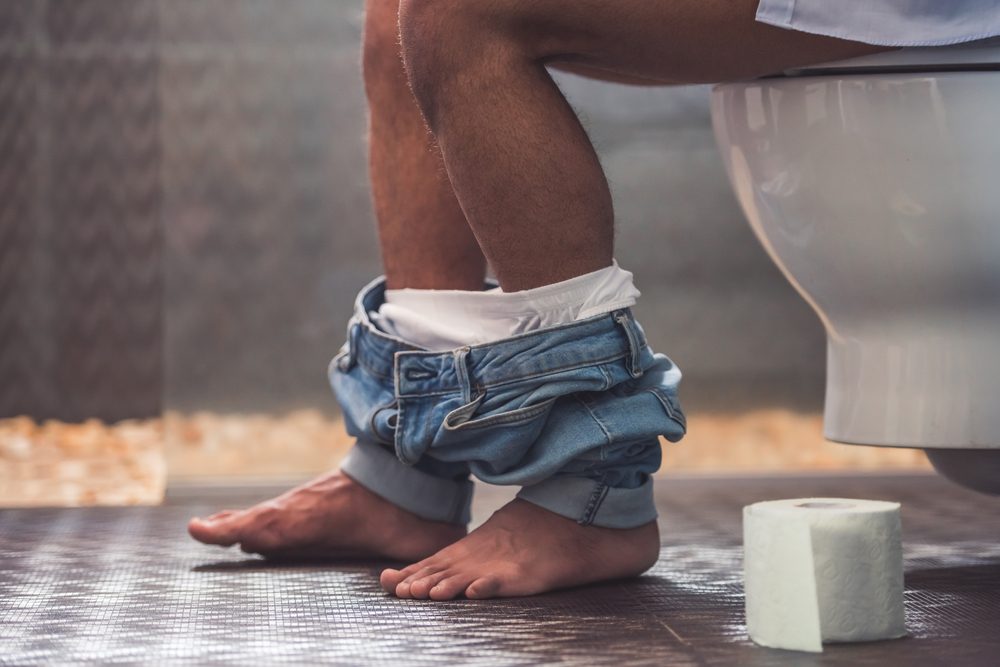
{"points": [[328, 518], [524, 549]]}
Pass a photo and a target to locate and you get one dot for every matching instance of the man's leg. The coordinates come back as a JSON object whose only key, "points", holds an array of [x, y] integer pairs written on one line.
{"points": [[425, 243], [533, 192], [524, 170]]}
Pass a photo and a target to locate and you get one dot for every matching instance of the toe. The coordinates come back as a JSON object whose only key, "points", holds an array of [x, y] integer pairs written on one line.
{"points": [[420, 574], [404, 588], [223, 531], [421, 587], [482, 588], [450, 587], [260, 539], [391, 578]]}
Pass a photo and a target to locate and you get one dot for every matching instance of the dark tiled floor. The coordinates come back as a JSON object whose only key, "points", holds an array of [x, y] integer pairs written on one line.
{"points": [[128, 586]]}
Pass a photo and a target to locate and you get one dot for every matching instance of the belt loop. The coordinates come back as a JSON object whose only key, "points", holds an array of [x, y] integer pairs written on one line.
{"points": [[462, 371], [634, 362]]}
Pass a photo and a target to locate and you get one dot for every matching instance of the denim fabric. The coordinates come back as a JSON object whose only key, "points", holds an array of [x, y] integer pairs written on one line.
{"points": [[571, 413]]}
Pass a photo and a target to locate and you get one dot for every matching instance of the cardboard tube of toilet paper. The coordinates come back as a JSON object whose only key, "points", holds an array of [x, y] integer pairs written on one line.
{"points": [[822, 570]]}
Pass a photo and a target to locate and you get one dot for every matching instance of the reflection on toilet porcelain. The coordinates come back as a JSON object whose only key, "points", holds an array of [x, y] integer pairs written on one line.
{"points": [[877, 195]]}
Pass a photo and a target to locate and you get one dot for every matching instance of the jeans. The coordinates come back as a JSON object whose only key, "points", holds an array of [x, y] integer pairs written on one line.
{"points": [[571, 413]]}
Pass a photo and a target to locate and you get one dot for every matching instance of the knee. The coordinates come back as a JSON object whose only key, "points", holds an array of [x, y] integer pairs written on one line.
{"points": [[380, 57], [448, 41], [432, 37]]}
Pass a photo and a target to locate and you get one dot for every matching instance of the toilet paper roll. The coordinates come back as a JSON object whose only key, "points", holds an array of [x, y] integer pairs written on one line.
{"points": [[822, 570]]}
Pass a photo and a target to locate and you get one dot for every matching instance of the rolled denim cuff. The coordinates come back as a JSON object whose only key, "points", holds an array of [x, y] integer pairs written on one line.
{"points": [[590, 502], [429, 497]]}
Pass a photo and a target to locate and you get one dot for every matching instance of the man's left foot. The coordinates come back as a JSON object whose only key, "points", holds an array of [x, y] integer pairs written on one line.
{"points": [[332, 517], [524, 550]]}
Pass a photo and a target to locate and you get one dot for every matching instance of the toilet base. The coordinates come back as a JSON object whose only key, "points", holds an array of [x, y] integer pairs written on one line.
{"points": [[976, 469], [928, 382]]}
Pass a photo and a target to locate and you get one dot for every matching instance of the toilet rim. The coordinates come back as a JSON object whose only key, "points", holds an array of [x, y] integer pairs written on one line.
{"points": [[980, 55]]}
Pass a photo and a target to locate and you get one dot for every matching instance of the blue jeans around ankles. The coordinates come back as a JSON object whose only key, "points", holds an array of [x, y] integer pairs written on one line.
{"points": [[570, 413]]}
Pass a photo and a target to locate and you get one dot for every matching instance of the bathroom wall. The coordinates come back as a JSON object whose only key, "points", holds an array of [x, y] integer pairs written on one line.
{"points": [[81, 309]]}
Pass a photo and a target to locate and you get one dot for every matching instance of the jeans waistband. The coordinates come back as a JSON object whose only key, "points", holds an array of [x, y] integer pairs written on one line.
{"points": [[415, 371]]}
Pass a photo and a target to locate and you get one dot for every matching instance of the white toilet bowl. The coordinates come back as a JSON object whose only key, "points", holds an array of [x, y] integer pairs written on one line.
{"points": [[874, 184]]}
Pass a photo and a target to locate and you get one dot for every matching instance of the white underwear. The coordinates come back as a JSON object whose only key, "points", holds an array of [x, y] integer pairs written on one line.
{"points": [[440, 320]]}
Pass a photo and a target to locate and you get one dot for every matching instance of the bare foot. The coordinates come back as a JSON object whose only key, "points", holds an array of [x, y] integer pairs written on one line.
{"points": [[523, 550], [328, 518]]}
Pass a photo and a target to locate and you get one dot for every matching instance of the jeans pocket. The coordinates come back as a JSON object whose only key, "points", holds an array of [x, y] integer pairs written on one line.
{"points": [[461, 419], [495, 440]]}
